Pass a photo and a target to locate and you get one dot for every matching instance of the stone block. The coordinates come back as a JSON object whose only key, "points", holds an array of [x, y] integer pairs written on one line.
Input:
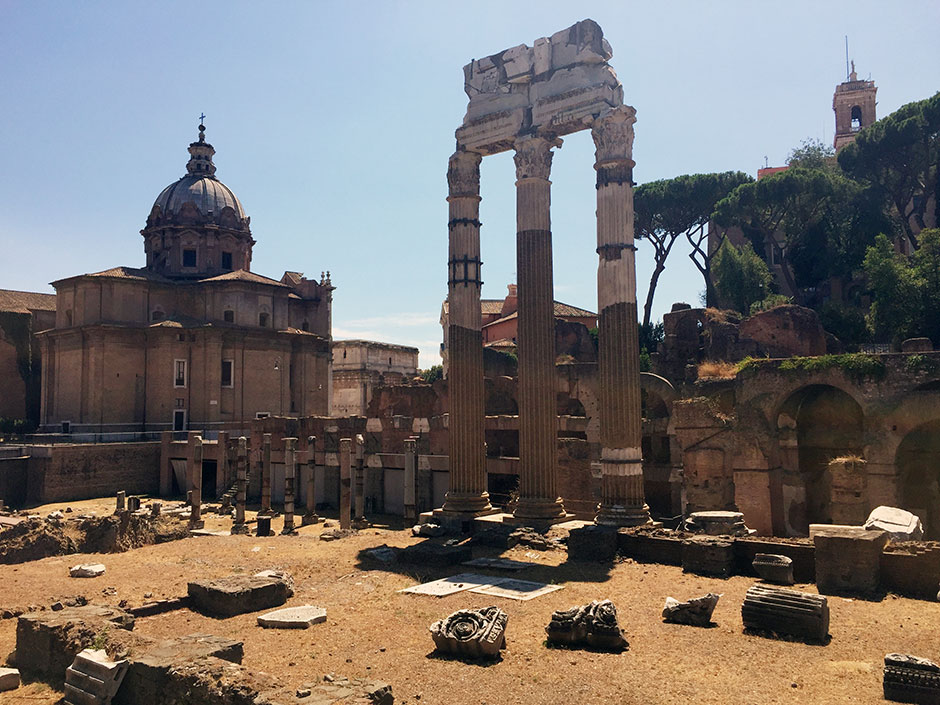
{"points": [[774, 568], [471, 634], [780, 611], [263, 527], [238, 594], [9, 679], [848, 560], [47, 642], [707, 556], [592, 543], [717, 523], [339, 691], [86, 570], [910, 679], [593, 625], [93, 678], [696, 612], [293, 617], [900, 524], [435, 554]]}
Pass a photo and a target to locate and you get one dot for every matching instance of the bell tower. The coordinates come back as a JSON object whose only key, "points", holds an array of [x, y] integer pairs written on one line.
{"points": [[854, 105]]}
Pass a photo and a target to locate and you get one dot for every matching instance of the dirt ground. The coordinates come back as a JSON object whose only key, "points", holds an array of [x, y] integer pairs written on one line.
{"points": [[373, 631]]}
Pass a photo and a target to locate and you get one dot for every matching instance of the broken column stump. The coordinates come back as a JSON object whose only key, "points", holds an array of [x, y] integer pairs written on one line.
{"points": [[848, 559], [910, 679], [708, 556], [238, 594], [593, 625], [471, 633], [93, 678], [774, 568], [263, 526], [789, 612], [592, 543]]}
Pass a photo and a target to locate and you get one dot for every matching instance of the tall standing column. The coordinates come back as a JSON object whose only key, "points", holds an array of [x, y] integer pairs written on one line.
{"points": [[411, 466], [241, 487], [345, 509], [266, 475], [310, 516], [467, 493], [195, 516], [538, 496], [290, 475], [622, 496], [360, 483]]}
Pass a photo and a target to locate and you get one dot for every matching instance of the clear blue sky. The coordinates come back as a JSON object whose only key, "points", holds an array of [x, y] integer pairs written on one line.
{"points": [[333, 123]]}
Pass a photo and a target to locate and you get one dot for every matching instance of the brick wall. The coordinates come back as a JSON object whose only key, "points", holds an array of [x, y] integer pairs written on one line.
{"points": [[73, 472]]}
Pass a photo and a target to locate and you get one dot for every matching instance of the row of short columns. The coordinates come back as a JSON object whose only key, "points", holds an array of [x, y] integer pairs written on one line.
{"points": [[622, 499]]}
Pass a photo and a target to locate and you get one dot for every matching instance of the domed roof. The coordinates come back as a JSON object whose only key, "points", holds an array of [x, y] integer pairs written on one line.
{"points": [[199, 187]]}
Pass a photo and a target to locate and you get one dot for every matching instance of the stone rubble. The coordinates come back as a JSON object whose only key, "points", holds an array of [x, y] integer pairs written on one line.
{"points": [[696, 612], [594, 625], [910, 679], [93, 678], [9, 679], [300, 617], [774, 568], [86, 570], [901, 525]]}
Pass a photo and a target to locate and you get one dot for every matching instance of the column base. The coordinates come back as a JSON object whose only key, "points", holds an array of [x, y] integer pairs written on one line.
{"points": [[455, 522], [240, 529], [539, 509], [308, 519], [622, 515], [468, 503]]}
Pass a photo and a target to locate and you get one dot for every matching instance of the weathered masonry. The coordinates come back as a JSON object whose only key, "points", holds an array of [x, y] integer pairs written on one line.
{"points": [[525, 99]]}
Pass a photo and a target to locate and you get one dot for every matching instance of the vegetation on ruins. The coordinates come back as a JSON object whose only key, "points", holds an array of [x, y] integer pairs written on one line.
{"points": [[739, 277], [432, 374], [667, 209], [857, 366]]}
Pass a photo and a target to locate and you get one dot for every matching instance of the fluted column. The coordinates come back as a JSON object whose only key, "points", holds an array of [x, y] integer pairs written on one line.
{"points": [[622, 498], [538, 496], [467, 493]]}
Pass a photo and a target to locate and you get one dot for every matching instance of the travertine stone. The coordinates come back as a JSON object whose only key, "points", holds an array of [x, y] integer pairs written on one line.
{"points": [[293, 617], [848, 559], [467, 493], [86, 570], [910, 679], [622, 495], [290, 475], [93, 678], [901, 525], [238, 594], [538, 495], [471, 633], [594, 625], [696, 612]]}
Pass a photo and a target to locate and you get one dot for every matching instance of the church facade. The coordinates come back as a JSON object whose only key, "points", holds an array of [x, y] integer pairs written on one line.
{"points": [[194, 340]]}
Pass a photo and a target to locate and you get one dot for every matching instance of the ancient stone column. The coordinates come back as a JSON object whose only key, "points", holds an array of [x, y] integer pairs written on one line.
{"points": [[622, 496], [538, 496], [241, 487], [310, 516], [266, 475], [290, 474], [195, 517], [345, 510], [411, 466], [360, 484], [120, 502], [467, 492]]}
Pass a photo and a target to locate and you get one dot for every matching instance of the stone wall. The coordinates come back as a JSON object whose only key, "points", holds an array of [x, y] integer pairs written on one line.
{"points": [[72, 472]]}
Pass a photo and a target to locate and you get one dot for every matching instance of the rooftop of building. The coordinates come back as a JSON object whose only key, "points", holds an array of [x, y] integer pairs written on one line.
{"points": [[25, 301]]}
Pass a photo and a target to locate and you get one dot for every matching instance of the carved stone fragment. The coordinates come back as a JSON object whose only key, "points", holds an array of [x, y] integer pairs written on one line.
{"points": [[780, 611], [697, 612], [594, 625], [909, 679], [774, 568], [471, 633]]}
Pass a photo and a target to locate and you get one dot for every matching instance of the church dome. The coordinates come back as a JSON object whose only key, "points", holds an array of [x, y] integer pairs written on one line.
{"points": [[208, 197]]}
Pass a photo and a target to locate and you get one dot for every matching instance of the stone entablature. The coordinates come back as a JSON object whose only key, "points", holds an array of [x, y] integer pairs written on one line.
{"points": [[361, 365]]}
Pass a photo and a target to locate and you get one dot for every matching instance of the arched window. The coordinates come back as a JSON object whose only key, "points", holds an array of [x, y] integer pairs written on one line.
{"points": [[263, 320], [856, 118]]}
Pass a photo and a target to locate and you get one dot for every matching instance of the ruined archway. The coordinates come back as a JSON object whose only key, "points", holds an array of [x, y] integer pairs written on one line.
{"points": [[816, 424], [918, 464]]}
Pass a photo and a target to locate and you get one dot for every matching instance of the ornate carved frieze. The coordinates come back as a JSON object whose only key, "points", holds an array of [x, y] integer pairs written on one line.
{"points": [[533, 157]]}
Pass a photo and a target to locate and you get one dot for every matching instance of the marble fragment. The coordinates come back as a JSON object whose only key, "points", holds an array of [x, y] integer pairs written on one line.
{"points": [[594, 625], [696, 612], [471, 633]]}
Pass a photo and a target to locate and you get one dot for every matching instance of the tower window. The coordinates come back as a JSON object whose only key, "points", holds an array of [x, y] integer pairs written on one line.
{"points": [[189, 258], [856, 118], [179, 373], [228, 316], [227, 261], [227, 366], [263, 320]]}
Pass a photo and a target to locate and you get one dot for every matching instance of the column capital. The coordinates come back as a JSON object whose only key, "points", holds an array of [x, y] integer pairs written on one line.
{"points": [[463, 173], [533, 156], [613, 135]]}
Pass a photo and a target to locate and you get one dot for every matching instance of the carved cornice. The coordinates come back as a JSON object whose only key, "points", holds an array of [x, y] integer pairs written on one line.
{"points": [[463, 174], [534, 157], [613, 135]]}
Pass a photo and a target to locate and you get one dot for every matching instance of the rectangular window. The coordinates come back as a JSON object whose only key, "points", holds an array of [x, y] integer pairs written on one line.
{"points": [[179, 373], [227, 367], [179, 420], [189, 258], [228, 316], [262, 414], [227, 261]]}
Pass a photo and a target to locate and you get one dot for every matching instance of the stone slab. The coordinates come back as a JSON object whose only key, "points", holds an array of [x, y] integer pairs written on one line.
{"points": [[453, 584], [293, 617], [9, 679], [499, 563], [517, 589], [86, 570], [901, 525]]}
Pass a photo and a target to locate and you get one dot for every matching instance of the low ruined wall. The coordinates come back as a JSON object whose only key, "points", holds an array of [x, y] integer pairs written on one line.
{"points": [[13, 473], [73, 472]]}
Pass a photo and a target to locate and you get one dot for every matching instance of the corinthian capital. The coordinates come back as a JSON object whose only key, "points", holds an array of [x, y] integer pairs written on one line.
{"points": [[613, 135], [463, 174], [534, 157]]}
